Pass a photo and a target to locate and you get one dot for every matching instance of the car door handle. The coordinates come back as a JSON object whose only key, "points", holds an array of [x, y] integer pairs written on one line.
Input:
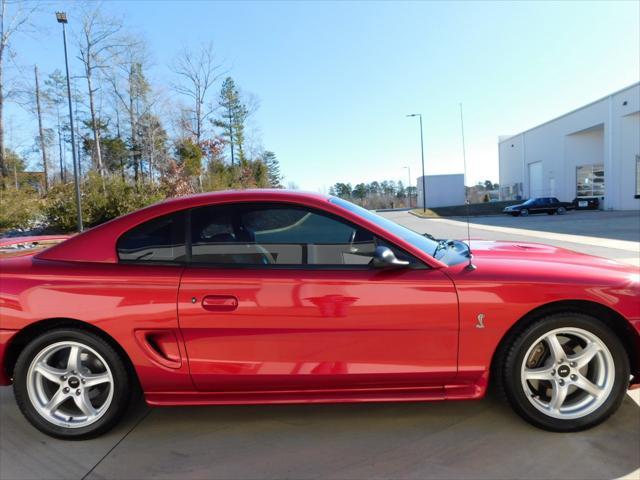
{"points": [[220, 303]]}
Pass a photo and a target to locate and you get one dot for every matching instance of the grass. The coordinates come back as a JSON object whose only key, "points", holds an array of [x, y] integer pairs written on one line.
{"points": [[475, 209]]}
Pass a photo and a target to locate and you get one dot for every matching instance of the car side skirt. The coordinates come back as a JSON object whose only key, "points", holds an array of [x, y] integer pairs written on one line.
{"points": [[402, 394]]}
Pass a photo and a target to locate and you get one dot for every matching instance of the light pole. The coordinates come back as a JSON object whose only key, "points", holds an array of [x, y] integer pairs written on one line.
{"points": [[424, 179], [410, 186], [61, 17]]}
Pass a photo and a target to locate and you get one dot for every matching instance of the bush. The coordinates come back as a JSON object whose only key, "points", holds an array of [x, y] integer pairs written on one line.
{"points": [[102, 200], [60, 207], [20, 208], [114, 198]]}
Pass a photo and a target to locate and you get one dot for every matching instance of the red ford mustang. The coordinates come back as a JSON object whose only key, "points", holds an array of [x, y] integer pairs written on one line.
{"points": [[282, 297]]}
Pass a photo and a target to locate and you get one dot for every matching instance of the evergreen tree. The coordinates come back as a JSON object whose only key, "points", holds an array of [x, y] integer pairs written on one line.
{"points": [[232, 120], [189, 157], [360, 191], [273, 169]]}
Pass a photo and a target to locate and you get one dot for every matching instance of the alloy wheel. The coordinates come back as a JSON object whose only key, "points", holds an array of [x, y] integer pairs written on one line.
{"points": [[70, 384], [568, 373]]}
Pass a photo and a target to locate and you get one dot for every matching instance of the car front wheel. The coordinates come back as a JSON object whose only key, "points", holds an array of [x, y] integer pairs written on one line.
{"points": [[524, 212], [565, 373], [71, 384]]}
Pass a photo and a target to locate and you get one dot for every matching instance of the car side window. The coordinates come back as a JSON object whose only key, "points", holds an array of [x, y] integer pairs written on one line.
{"points": [[276, 234], [160, 240]]}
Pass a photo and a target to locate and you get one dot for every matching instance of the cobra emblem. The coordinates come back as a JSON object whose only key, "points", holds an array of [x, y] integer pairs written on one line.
{"points": [[480, 323]]}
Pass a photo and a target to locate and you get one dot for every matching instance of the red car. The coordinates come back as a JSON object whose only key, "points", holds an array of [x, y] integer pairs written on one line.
{"points": [[285, 297]]}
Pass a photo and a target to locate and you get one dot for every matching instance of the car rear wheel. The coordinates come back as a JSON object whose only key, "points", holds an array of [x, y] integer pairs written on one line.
{"points": [[561, 211], [524, 212], [71, 384], [565, 373]]}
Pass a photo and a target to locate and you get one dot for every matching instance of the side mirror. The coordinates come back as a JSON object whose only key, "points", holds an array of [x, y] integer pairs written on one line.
{"points": [[385, 258]]}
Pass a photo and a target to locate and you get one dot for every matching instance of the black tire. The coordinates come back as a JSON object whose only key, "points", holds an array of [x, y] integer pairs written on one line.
{"points": [[121, 384], [509, 371], [524, 212], [561, 210]]}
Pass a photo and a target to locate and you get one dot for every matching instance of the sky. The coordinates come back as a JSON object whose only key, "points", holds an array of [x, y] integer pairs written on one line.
{"points": [[336, 80]]}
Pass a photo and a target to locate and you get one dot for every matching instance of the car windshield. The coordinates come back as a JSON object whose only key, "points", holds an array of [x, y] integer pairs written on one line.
{"points": [[531, 201], [420, 241]]}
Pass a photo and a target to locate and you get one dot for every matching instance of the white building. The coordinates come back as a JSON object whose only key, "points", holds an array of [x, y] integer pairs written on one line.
{"points": [[442, 190], [593, 151]]}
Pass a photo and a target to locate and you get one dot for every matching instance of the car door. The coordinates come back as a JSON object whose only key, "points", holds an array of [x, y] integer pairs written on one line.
{"points": [[283, 297], [537, 206]]}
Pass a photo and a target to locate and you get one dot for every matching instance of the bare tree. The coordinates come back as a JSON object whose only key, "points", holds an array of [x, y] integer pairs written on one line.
{"points": [[197, 72], [131, 90], [10, 24], [43, 147], [99, 43], [54, 95]]}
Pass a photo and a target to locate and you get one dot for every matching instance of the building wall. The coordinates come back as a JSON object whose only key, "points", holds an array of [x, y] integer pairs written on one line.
{"points": [[606, 132], [442, 190]]}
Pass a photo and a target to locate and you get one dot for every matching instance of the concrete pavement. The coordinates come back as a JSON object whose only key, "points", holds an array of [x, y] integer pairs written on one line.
{"points": [[449, 440]]}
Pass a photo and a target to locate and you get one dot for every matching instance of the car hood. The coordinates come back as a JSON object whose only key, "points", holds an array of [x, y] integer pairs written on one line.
{"points": [[546, 260]]}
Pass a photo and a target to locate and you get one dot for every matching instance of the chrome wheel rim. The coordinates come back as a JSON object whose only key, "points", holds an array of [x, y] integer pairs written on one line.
{"points": [[568, 373], [70, 384]]}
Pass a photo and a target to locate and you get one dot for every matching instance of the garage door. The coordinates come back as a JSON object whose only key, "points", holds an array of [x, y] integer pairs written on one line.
{"points": [[535, 180]]}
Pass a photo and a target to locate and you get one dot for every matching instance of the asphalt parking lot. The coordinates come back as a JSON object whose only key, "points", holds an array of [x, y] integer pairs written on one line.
{"points": [[614, 235], [452, 440]]}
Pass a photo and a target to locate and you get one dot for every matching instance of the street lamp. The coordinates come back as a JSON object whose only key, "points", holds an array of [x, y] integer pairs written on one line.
{"points": [[424, 189], [61, 17], [410, 186]]}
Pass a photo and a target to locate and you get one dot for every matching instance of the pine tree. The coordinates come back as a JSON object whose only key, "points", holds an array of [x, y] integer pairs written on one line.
{"points": [[273, 169], [232, 120]]}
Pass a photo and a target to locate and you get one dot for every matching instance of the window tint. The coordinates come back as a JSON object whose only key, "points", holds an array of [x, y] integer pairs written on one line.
{"points": [[158, 240], [271, 234]]}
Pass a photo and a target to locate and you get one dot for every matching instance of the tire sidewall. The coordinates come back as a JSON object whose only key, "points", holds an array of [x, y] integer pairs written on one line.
{"points": [[515, 357], [524, 212], [121, 384]]}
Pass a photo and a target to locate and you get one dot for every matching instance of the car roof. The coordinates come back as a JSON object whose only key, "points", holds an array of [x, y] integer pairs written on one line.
{"points": [[244, 195]]}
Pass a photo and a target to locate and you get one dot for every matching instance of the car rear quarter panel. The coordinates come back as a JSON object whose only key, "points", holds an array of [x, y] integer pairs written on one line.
{"points": [[119, 300]]}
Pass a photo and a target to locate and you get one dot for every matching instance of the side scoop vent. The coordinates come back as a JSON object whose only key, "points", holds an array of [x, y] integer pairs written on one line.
{"points": [[161, 346]]}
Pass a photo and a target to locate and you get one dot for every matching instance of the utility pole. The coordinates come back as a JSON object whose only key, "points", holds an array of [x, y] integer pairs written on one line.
{"points": [[62, 18], [424, 178]]}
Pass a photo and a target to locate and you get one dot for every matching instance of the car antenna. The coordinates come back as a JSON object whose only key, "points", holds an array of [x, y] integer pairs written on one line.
{"points": [[470, 266]]}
